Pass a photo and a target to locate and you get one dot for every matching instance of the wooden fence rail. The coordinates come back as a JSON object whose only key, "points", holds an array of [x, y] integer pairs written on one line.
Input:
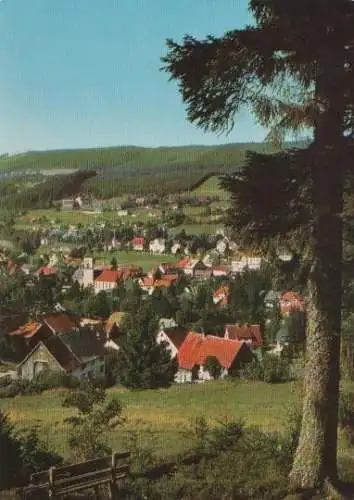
{"points": [[58, 481]]}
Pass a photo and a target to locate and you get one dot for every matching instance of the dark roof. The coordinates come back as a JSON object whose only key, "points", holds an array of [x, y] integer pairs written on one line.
{"points": [[61, 353], [245, 332], [61, 322], [84, 344], [176, 335]]}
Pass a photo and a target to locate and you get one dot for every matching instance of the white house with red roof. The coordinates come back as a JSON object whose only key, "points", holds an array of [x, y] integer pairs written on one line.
{"points": [[197, 348], [138, 243], [107, 280]]}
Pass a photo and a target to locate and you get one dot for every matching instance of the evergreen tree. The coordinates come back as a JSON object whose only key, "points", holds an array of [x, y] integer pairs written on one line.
{"points": [[294, 69], [142, 363], [100, 306]]}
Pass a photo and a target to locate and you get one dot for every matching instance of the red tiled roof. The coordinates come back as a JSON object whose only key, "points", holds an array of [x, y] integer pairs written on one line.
{"points": [[47, 270], [245, 332], [110, 275], [138, 241], [28, 330], [188, 351], [291, 301], [147, 281], [196, 348], [291, 296], [183, 263], [224, 350], [221, 291], [166, 280]]}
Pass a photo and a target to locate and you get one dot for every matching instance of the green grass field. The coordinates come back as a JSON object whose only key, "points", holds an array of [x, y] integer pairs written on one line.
{"points": [[211, 187], [163, 419], [141, 259]]}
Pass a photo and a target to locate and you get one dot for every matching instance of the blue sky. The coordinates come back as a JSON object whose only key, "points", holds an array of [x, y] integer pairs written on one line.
{"points": [[85, 73]]}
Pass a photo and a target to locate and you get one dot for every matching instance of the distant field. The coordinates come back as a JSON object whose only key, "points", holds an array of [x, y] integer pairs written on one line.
{"points": [[85, 219], [163, 418], [212, 187], [141, 259]]}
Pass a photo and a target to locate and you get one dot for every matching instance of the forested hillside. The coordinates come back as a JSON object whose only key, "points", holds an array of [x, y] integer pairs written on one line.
{"points": [[118, 171]]}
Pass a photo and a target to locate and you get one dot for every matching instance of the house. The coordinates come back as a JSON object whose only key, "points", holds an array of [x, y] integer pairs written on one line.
{"points": [[191, 267], [176, 247], [67, 204], [168, 268], [173, 337], [107, 280], [79, 353], [46, 271], [222, 270], [138, 243], [150, 283], [28, 269], [61, 322], [221, 296], [197, 348], [157, 246], [246, 261], [251, 334], [290, 301]]}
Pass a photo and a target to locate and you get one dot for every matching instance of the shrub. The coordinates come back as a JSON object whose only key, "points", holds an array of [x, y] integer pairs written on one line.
{"points": [[239, 462], [275, 369], [51, 380], [42, 382], [95, 417], [213, 366], [5, 380], [252, 370], [17, 387]]}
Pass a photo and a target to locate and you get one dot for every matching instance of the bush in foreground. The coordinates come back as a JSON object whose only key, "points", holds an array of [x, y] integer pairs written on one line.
{"points": [[42, 382], [229, 461]]}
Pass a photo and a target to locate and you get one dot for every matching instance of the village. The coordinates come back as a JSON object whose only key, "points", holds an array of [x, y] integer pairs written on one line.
{"points": [[67, 341]]}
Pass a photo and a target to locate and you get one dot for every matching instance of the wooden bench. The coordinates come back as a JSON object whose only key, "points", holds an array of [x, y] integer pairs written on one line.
{"points": [[59, 481]]}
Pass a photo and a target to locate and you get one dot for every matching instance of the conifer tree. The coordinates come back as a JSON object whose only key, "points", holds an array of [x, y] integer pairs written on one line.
{"points": [[142, 363], [293, 68]]}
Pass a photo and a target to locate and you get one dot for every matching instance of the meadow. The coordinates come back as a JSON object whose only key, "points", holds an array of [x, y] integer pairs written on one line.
{"points": [[164, 418]]}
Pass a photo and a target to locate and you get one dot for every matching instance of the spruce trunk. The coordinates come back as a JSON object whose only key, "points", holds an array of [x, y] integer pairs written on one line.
{"points": [[315, 461]]}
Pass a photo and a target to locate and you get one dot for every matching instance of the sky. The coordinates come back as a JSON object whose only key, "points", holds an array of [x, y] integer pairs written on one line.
{"points": [[85, 73]]}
